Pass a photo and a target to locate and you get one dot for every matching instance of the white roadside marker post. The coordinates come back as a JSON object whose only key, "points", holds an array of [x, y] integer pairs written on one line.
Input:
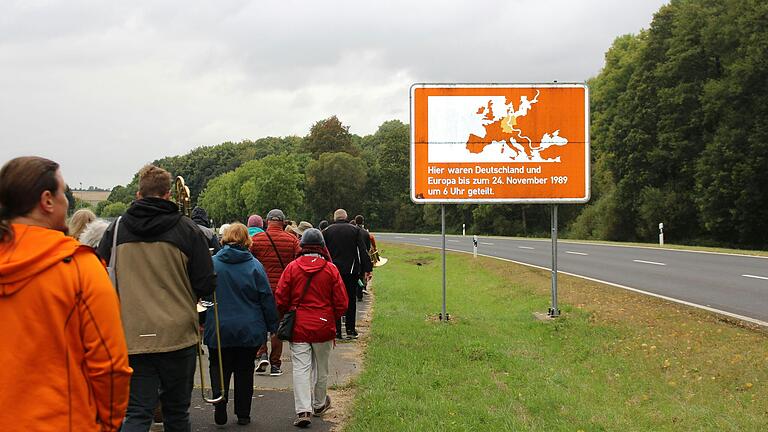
{"points": [[661, 234]]}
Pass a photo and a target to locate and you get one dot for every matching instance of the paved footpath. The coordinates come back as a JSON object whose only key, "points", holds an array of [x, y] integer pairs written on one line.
{"points": [[272, 408]]}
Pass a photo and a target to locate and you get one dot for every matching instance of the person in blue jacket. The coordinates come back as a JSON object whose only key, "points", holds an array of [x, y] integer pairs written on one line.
{"points": [[247, 312]]}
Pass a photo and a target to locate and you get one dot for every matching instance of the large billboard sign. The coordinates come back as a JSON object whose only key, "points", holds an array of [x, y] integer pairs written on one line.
{"points": [[500, 143]]}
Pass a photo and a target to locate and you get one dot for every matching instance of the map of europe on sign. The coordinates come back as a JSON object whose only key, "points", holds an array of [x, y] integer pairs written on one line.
{"points": [[485, 129], [499, 143]]}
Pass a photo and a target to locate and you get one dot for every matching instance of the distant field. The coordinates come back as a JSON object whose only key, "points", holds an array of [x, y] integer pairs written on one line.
{"points": [[614, 361], [91, 197]]}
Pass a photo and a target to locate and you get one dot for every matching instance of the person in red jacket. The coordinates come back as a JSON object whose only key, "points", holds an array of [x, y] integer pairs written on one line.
{"points": [[64, 366], [275, 249], [312, 286]]}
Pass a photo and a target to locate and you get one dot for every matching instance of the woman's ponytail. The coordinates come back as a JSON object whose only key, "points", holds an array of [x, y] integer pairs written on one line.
{"points": [[6, 232]]}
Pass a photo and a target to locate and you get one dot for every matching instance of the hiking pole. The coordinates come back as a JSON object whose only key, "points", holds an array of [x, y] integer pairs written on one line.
{"points": [[218, 351], [185, 207], [200, 355]]}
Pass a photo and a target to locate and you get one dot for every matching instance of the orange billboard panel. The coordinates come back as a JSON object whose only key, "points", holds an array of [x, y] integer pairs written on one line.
{"points": [[500, 143]]}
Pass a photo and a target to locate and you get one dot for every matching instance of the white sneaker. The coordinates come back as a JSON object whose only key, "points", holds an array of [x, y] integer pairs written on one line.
{"points": [[263, 365]]}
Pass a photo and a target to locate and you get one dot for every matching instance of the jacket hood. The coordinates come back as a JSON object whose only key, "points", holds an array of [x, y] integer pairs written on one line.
{"points": [[311, 263], [316, 249], [200, 217], [207, 232], [150, 217], [33, 250], [233, 254]]}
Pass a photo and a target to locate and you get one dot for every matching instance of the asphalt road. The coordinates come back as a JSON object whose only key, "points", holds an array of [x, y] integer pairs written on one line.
{"points": [[735, 285]]}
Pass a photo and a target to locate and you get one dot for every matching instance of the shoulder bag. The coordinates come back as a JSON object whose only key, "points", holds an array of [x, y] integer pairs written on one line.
{"points": [[275, 249], [285, 328], [111, 270]]}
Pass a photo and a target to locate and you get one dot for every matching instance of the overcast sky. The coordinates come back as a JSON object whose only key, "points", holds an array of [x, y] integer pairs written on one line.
{"points": [[104, 87]]}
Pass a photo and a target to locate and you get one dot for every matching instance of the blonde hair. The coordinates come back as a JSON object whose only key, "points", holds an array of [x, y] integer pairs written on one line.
{"points": [[237, 234], [79, 221]]}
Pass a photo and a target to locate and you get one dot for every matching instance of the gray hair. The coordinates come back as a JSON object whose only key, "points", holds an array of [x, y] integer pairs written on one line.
{"points": [[93, 233], [340, 214]]}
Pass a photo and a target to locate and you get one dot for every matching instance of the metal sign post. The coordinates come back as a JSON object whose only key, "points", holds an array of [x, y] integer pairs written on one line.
{"points": [[444, 315], [554, 311]]}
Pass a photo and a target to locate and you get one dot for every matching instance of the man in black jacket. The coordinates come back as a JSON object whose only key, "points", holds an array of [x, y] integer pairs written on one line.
{"points": [[346, 244], [200, 217], [162, 266]]}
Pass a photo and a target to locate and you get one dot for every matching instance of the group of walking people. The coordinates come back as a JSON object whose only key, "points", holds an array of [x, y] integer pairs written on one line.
{"points": [[105, 329]]}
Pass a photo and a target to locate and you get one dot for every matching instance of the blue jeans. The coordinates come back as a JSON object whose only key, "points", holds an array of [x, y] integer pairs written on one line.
{"points": [[167, 376]]}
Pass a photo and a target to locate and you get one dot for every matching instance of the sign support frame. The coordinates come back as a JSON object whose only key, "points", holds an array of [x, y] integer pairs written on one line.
{"points": [[554, 312], [421, 92], [444, 315]]}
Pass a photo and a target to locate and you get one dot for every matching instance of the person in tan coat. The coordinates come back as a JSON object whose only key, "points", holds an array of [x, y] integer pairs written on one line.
{"points": [[65, 365], [162, 266]]}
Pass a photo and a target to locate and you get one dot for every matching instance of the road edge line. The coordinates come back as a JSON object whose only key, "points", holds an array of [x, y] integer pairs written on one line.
{"points": [[639, 291], [581, 242]]}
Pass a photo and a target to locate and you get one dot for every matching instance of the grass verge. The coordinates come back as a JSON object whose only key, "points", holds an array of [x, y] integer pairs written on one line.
{"points": [[615, 360]]}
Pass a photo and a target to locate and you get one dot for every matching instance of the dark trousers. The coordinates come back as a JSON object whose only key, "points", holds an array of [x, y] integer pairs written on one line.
{"points": [[240, 362], [350, 282], [167, 376], [276, 348]]}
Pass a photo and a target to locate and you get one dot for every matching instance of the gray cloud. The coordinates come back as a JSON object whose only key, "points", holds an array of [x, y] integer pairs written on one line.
{"points": [[103, 87]]}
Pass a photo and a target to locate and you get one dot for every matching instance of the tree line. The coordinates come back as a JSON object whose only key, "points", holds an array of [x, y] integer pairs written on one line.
{"points": [[679, 131], [680, 128]]}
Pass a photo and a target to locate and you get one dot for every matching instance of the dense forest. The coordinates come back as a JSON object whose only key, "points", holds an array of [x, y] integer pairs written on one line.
{"points": [[679, 131]]}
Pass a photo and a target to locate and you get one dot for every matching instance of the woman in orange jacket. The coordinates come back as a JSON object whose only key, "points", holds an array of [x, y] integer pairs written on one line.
{"points": [[65, 365]]}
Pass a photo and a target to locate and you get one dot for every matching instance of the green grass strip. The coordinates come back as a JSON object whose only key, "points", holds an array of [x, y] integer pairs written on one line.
{"points": [[494, 367]]}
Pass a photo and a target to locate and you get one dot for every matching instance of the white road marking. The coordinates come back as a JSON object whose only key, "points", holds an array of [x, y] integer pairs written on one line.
{"points": [[649, 262], [489, 244], [524, 247], [398, 237], [756, 277], [424, 238], [597, 243], [453, 241], [648, 293], [575, 253]]}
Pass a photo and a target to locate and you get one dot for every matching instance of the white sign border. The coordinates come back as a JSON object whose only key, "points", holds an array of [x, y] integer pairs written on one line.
{"points": [[587, 142]]}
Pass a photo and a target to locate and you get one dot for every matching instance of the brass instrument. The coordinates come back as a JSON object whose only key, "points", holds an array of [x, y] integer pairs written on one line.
{"points": [[183, 197], [376, 259], [374, 255], [185, 207]]}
